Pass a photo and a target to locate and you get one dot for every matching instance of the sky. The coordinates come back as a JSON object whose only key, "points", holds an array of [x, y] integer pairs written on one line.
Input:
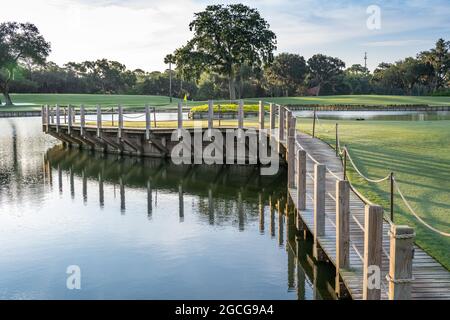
{"points": [[139, 33]]}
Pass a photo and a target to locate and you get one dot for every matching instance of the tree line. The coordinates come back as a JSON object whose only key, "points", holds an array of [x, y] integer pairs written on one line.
{"points": [[231, 55]]}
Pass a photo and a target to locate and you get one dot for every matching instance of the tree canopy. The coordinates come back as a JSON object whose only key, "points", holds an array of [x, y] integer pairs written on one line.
{"points": [[225, 38], [325, 70], [19, 42], [288, 71]]}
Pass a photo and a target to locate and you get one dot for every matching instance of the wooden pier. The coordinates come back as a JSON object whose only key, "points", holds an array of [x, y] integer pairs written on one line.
{"points": [[373, 257]]}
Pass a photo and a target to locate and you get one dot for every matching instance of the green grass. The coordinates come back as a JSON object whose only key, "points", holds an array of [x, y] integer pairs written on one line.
{"points": [[138, 101], [419, 154]]}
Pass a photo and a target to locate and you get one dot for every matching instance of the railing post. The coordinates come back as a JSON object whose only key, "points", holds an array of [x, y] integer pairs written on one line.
{"points": [[301, 179], [82, 120], [147, 122], [287, 117], [272, 118], [373, 241], [337, 140], [210, 114], [261, 115], [319, 205], [342, 230], [291, 153], [99, 121], [400, 262], [281, 123], [70, 119], [52, 115], [241, 114], [58, 120], [43, 115], [180, 115], [120, 127]]}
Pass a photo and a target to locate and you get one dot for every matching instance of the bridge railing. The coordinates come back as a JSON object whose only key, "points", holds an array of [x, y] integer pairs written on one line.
{"points": [[375, 260]]}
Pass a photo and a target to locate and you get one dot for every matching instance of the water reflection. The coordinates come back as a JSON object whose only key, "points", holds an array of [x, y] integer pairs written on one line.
{"points": [[145, 228]]}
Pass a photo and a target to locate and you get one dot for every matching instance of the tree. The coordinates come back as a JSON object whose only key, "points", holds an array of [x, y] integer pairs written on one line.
{"points": [[412, 71], [225, 38], [325, 70], [357, 79], [288, 71], [170, 59], [439, 59], [19, 42]]}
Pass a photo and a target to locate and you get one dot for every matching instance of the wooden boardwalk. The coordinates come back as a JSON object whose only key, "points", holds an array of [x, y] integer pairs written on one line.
{"points": [[349, 231], [431, 280]]}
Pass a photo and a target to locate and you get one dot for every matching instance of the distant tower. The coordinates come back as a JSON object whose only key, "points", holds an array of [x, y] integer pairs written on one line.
{"points": [[365, 60]]}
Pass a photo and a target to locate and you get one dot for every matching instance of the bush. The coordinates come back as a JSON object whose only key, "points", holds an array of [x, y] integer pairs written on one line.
{"points": [[442, 93], [227, 107]]}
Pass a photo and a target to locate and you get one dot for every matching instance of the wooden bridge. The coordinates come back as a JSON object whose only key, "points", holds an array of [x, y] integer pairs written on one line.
{"points": [[373, 257]]}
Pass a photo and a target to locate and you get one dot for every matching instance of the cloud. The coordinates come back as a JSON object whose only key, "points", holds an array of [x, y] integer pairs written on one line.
{"points": [[398, 43]]}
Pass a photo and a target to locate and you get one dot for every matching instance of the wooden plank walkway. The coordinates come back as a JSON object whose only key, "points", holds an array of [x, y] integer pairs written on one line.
{"points": [[431, 279]]}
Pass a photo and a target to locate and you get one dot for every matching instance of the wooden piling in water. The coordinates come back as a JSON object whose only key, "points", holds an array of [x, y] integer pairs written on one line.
{"points": [[342, 231], [319, 206], [58, 119], [82, 120], [241, 114], [180, 115], [210, 114], [261, 115], [301, 179], [272, 118], [147, 122], [120, 120], [99, 121]]}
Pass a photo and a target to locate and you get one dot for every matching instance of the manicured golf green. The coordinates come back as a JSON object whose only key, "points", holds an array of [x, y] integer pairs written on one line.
{"points": [[28, 102], [418, 152]]}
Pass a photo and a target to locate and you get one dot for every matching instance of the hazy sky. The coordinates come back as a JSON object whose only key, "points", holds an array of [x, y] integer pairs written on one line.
{"points": [[139, 33]]}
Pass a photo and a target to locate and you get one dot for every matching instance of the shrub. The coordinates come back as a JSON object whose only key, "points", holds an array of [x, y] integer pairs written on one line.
{"points": [[227, 107]]}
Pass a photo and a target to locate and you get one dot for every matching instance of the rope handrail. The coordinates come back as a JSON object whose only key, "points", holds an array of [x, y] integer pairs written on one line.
{"points": [[445, 234], [361, 174]]}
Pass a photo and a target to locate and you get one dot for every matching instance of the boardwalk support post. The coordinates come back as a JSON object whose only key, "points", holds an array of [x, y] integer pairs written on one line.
{"points": [[261, 115], [120, 127], [319, 208], [342, 232], [70, 119], [147, 122], [272, 118], [58, 120], [373, 241], [180, 115], [301, 179], [400, 262], [99, 121], [281, 123], [241, 114], [210, 114], [82, 120], [291, 160]]}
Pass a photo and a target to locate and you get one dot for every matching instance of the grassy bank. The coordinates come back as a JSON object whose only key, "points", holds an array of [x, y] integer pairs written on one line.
{"points": [[28, 102], [419, 155]]}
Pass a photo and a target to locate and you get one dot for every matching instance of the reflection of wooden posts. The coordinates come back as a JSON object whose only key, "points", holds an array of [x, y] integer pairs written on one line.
{"points": [[240, 212], [70, 119], [261, 115], [180, 115], [280, 223], [149, 199], [147, 122], [58, 119], [84, 185], [342, 231], [261, 213], [82, 120], [400, 263], [60, 183], [290, 223], [301, 179], [210, 207], [272, 118], [181, 202], [291, 268], [373, 241], [301, 280], [319, 206], [120, 120], [210, 114], [272, 217], [72, 183], [99, 121], [101, 191], [122, 196]]}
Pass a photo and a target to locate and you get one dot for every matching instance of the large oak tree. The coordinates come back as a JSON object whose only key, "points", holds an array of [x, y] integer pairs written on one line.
{"points": [[19, 42], [225, 38]]}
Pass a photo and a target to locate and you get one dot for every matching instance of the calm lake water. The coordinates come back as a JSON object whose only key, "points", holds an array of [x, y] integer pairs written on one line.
{"points": [[377, 115], [143, 228]]}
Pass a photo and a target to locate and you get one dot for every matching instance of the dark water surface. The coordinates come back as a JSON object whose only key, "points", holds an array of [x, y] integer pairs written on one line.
{"points": [[143, 228]]}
